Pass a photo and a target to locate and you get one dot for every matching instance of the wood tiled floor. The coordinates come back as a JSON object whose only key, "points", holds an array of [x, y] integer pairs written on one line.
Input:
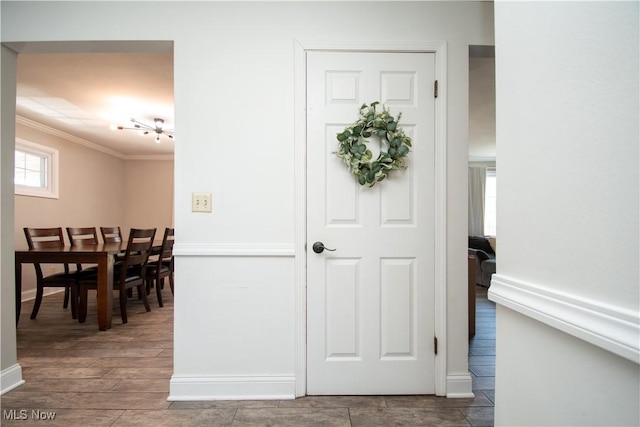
{"points": [[121, 378]]}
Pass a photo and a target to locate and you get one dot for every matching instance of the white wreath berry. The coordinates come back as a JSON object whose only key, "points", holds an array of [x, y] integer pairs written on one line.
{"points": [[354, 153]]}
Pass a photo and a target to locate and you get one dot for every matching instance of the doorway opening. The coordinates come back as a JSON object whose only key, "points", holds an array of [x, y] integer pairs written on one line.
{"points": [[482, 218], [68, 94]]}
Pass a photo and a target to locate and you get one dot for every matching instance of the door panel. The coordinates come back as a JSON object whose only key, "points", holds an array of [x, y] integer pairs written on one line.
{"points": [[370, 304]]}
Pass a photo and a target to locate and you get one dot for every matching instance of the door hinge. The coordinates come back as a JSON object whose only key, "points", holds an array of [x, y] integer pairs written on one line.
{"points": [[435, 89], [435, 345]]}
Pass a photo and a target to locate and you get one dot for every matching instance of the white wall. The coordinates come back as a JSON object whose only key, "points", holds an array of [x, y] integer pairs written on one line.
{"points": [[482, 109], [568, 336], [10, 370], [234, 103]]}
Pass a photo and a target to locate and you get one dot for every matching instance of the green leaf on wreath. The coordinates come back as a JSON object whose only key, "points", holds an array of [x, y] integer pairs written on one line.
{"points": [[352, 148]]}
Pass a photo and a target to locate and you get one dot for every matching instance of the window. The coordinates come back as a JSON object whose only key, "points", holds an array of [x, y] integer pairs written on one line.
{"points": [[36, 170], [490, 203]]}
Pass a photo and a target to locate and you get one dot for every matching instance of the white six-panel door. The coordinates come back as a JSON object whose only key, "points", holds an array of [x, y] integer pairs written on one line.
{"points": [[370, 303]]}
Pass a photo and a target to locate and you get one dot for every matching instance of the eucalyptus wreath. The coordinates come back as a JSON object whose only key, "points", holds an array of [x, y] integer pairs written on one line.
{"points": [[354, 153]]}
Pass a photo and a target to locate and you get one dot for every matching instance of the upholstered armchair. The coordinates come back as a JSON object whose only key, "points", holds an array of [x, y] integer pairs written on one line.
{"points": [[486, 259]]}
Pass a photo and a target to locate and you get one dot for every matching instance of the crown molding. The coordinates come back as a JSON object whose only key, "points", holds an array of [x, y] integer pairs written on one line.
{"points": [[68, 137], [80, 141]]}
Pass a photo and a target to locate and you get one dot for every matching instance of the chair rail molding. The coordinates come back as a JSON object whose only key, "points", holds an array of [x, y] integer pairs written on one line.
{"points": [[609, 327], [234, 249]]}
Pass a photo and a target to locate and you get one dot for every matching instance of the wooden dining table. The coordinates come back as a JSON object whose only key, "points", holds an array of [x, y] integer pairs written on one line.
{"points": [[102, 255]]}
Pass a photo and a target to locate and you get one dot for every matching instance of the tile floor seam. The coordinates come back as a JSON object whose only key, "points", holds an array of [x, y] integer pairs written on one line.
{"points": [[464, 416], [233, 418], [124, 411]]}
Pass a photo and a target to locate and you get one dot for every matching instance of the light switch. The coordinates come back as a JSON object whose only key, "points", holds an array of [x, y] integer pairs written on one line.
{"points": [[201, 202]]}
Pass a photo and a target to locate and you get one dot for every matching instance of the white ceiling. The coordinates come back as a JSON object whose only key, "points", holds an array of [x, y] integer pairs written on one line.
{"points": [[84, 94]]}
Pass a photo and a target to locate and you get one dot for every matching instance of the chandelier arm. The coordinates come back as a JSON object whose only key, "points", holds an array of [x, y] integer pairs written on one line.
{"points": [[147, 129], [143, 125]]}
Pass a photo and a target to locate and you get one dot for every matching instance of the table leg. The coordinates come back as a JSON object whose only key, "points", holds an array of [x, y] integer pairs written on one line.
{"points": [[105, 292], [18, 291]]}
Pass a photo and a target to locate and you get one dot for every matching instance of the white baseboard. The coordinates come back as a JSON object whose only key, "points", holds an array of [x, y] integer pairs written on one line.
{"points": [[459, 386], [11, 378], [612, 328], [232, 388], [31, 293]]}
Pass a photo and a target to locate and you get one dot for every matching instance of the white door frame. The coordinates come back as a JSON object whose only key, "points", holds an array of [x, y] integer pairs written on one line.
{"points": [[439, 48]]}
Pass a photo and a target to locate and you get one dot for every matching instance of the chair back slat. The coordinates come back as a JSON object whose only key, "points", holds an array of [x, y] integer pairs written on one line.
{"points": [[111, 234], [79, 236]]}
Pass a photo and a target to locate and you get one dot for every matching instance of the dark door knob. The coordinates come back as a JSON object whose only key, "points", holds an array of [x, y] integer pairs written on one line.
{"points": [[318, 247]]}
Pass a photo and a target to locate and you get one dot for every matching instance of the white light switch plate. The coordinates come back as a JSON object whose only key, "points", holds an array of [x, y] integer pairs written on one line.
{"points": [[201, 202]]}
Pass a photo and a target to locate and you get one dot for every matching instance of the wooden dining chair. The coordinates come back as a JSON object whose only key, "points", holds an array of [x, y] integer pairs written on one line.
{"points": [[112, 235], [130, 273], [163, 266], [40, 238], [79, 236]]}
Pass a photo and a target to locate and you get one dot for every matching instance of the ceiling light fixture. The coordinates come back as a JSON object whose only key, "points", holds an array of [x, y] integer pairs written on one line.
{"points": [[145, 129]]}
